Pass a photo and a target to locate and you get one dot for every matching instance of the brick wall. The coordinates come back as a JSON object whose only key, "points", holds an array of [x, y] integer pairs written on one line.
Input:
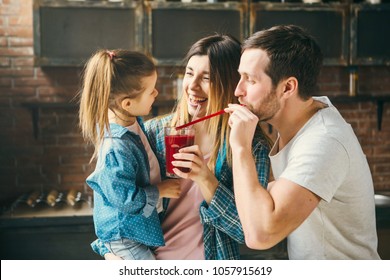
{"points": [[58, 158]]}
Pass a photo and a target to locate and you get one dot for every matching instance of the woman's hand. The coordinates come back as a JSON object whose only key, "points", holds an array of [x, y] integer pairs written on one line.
{"points": [[169, 188], [192, 158]]}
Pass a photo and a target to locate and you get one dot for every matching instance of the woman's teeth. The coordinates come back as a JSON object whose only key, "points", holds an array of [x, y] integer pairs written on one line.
{"points": [[196, 100]]}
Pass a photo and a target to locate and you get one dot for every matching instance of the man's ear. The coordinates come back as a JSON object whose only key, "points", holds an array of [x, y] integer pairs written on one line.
{"points": [[290, 87]]}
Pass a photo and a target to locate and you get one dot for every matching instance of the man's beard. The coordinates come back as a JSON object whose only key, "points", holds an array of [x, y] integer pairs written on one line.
{"points": [[267, 109]]}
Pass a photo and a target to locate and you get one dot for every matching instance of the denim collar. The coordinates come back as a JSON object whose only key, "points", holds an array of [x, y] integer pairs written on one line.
{"points": [[118, 131]]}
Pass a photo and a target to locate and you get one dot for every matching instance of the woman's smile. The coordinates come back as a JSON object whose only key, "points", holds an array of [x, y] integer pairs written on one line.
{"points": [[196, 100]]}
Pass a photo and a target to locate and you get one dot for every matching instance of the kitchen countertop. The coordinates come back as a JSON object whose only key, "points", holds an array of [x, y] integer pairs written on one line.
{"points": [[83, 211], [25, 211], [41, 215]]}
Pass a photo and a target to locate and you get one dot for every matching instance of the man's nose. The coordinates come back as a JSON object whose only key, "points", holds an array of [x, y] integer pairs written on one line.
{"points": [[239, 91]]}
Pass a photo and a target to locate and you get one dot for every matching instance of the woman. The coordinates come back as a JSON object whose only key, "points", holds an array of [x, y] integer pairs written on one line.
{"points": [[203, 222]]}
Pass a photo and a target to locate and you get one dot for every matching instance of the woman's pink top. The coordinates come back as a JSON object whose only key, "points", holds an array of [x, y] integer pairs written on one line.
{"points": [[183, 231]]}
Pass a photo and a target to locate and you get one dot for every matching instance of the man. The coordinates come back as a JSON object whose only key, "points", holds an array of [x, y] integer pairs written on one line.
{"points": [[322, 198]]}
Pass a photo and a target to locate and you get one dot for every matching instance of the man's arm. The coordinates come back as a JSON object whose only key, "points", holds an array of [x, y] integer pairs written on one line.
{"points": [[267, 216]]}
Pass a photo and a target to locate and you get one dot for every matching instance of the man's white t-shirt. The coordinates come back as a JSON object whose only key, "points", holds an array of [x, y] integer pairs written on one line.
{"points": [[326, 158]]}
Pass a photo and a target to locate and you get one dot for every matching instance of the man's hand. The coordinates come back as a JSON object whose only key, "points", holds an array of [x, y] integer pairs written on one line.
{"points": [[243, 125]]}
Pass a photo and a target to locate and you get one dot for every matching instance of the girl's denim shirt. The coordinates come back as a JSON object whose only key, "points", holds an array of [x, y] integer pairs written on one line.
{"points": [[124, 200]]}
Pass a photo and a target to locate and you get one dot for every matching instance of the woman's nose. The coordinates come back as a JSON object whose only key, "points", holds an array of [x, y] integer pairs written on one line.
{"points": [[194, 83]]}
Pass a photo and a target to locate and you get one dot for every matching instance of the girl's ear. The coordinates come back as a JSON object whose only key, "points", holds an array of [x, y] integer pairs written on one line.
{"points": [[126, 103]]}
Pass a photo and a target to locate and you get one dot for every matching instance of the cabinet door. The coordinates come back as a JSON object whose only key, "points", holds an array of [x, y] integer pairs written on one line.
{"points": [[328, 24], [173, 27], [370, 34], [67, 33], [48, 241]]}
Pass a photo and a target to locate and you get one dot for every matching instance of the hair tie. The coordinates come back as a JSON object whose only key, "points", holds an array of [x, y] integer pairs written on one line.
{"points": [[111, 54]]}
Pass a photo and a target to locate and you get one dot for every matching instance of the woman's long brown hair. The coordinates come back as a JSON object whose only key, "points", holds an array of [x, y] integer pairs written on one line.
{"points": [[224, 53]]}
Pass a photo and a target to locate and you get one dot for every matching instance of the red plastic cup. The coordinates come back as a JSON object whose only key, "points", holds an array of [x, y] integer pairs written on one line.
{"points": [[175, 139]]}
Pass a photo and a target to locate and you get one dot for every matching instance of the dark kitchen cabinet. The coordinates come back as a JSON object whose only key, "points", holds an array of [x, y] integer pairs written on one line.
{"points": [[51, 237], [370, 47], [172, 27], [66, 33], [69, 238], [45, 233]]}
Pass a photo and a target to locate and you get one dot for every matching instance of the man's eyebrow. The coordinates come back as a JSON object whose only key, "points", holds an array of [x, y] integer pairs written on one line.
{"points": [[242, 72]]}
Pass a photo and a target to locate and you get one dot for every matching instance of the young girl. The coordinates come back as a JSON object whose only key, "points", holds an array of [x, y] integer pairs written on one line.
{"points": [[119, 86]]}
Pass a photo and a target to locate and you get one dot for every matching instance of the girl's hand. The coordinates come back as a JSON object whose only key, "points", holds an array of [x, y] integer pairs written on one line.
{"points": [[169, 188], [111, 257], [192, 158]]}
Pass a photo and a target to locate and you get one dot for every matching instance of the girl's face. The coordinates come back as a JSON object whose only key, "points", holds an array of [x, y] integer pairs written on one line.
{"points": [[196, 83], [142, 104]]}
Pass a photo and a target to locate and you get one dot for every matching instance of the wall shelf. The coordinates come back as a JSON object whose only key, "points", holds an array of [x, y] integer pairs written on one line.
{"points": [[37, 106], [378, 99]]}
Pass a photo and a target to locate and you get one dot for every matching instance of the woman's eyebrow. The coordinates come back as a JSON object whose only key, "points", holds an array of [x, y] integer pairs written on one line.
{"points": [[204, 72]]}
